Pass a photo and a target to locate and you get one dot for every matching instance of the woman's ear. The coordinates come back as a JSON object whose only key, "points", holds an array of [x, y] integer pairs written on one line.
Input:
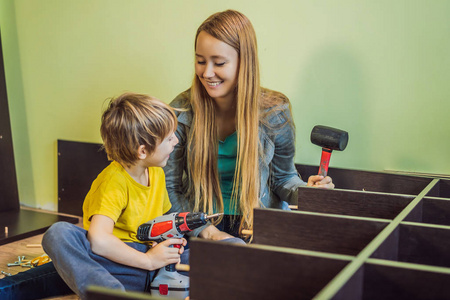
{"points": [[142, 152]]}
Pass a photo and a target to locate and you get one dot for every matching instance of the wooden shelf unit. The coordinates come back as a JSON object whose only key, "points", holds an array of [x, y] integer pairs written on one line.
{"points": [[376, 236]]}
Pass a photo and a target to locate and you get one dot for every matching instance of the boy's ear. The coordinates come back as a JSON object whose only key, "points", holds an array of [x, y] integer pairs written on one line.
{"points": [[142, 152]]}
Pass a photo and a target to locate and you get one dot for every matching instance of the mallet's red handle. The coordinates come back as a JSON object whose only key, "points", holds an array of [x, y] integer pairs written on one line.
{"points": [[324, 161]]}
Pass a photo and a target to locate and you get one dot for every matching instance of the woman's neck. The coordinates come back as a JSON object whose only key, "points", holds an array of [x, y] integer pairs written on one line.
{"points": [[225, 117]]}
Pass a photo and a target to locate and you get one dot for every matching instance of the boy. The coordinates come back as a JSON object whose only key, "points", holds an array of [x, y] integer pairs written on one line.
{"points": [[138, 135]]}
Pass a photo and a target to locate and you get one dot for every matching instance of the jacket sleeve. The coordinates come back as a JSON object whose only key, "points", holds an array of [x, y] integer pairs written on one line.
{"points": [[174, 170], [285, 179]]}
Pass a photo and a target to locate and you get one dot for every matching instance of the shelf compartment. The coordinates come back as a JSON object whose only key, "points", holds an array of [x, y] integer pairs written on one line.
{"points": [[227, 271], [404, 281], [431, 211], [442, 189], [352, 203], [357, 180], [413, 243], [316, 232]]}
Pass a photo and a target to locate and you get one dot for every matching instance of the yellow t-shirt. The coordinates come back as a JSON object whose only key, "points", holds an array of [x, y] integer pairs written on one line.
{"points": [[115, 194]]}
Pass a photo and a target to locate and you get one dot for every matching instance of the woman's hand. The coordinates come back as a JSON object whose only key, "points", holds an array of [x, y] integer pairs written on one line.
{"points": [[212, 233], [320, 182]]}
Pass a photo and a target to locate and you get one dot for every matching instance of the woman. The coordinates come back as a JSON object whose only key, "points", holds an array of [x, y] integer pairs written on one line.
{"points": [[236, 138]]}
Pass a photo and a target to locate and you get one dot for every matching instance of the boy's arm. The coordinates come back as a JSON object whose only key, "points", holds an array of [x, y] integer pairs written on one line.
{"points": [[104, 243]]}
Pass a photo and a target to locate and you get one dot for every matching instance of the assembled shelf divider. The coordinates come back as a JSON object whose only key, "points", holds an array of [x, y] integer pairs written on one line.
{"points": [[376, 236]]}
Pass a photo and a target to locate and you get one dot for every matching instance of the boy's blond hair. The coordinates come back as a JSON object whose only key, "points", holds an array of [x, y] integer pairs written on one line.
{"points": [[132, 120]]}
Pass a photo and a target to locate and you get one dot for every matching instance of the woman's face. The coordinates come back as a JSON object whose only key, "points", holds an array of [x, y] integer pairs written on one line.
{"points": [[217, 65]]}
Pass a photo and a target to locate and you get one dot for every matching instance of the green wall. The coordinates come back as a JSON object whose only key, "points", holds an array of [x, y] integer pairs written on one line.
{"points": [[378, 69]]}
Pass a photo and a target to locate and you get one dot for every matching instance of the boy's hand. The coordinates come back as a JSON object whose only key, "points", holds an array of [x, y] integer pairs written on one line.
{"points": [[161, 254]]}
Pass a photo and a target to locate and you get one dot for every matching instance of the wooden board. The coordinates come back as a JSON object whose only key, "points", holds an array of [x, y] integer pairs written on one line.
{"points": [[78, 165], [9, 195], [25, 223], [394, 236], [402, 281], [370, 181], [340, 235], [441, 190], [352, 203], [431, 211], [224, 271]]}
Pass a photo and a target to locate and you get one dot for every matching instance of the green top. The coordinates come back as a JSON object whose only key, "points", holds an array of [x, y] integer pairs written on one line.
{"points": [[226, 165]]}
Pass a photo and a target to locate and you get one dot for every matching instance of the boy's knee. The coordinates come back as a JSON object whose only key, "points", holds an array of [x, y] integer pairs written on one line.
{"points": [[56, 233]]}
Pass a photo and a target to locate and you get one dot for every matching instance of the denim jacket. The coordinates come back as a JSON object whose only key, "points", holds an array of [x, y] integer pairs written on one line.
{"points": [[279, 177]]}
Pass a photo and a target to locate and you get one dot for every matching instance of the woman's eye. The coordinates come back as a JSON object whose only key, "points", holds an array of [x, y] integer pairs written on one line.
{"points": [[220, 64], [201, 62]]}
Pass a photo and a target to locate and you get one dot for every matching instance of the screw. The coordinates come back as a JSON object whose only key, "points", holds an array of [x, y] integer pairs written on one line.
{"points": [[6, 274], [18, 262]]}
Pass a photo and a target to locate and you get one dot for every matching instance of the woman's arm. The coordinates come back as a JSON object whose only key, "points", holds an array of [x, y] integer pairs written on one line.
{"points": [[104, 243], [212, 233], [285, 178], [176, 166]]}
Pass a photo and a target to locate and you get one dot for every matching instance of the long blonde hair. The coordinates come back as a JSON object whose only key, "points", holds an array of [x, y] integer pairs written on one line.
{"points": [[234, 29]]}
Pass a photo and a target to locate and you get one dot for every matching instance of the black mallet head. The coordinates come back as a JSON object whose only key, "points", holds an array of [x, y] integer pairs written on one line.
{"points": [[329, 139]]}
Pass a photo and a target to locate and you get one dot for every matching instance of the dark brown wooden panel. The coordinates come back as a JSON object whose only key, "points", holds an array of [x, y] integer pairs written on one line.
{"points": [[353, 203], [436, 211], [25, 223], [442, 189], [352, 288], [424, 245], [370, 181], [78, 165], [313, 232], [225, 271], [389, 248], [415, 215], [9, 195], [391, 282]]}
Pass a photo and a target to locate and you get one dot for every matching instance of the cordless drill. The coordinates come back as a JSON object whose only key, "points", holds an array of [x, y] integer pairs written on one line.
{"points": [[168, 282]]}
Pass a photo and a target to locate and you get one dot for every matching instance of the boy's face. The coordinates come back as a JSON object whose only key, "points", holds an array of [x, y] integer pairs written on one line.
{"points": [[160, 156]]}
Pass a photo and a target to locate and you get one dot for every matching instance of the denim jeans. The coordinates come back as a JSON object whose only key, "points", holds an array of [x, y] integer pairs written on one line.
{"points": [[37, 283], [78, 267], [68, 247]]}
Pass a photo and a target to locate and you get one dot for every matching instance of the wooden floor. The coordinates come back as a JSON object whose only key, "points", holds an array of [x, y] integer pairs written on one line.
{"points": [[27, 247]]}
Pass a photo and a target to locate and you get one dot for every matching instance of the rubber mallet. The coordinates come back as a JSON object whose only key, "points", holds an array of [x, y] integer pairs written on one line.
{"points": [[329, 139]]}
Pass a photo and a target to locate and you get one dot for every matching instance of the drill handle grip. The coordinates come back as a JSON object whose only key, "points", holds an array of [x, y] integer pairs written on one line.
{"points": [[171, 267]]}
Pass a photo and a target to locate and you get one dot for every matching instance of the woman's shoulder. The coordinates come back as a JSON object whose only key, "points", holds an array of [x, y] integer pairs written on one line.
{"points": [[275, 107], [182, 107], [182, 100]]}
